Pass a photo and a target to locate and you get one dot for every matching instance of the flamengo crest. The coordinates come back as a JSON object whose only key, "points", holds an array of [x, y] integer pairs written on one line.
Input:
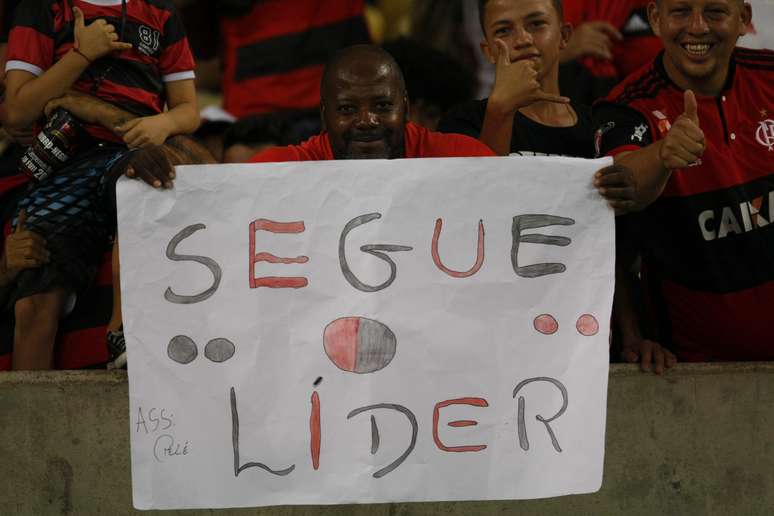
{"points": [[765, 133]]}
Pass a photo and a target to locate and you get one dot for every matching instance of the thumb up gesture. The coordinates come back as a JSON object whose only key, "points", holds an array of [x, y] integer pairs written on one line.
{"points": [[684, 144], [97, 39]]}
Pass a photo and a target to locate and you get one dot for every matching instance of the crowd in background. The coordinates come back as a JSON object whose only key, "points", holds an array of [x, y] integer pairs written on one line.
{"points": [[258, 67]]}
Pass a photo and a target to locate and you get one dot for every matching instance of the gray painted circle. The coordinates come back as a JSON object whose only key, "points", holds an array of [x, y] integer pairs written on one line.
{"points": [[182, 349], [219, 350]]}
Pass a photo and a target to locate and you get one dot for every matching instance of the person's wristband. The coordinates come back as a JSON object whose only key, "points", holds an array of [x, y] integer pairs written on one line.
{"points": [[78, 51]]}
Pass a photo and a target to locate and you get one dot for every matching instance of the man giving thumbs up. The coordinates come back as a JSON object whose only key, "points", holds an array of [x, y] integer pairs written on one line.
{"points": [[684, 143], [696, 130]]}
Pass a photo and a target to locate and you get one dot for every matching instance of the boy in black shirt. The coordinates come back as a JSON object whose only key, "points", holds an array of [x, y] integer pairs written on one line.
{"points": [[524, 113]]}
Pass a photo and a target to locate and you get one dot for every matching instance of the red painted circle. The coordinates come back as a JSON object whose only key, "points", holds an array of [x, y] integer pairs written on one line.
{"points": [[546, 324], [359, 345], [587, 325]]}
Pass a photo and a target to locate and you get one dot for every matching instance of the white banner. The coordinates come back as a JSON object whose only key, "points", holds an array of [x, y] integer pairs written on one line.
{"points": [[367, 331]]}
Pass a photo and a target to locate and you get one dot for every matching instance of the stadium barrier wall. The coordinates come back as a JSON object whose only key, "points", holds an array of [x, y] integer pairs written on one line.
{"points": [[699, 440]]}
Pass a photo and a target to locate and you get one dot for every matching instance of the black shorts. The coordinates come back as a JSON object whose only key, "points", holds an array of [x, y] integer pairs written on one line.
{"points": [[74, 211]]}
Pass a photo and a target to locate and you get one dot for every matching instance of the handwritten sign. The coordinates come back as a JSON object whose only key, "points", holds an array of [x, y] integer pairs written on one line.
{"points": [[367, 331]]}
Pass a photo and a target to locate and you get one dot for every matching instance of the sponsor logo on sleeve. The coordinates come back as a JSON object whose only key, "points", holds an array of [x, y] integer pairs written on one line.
{"points": [[599, 134], [663, 123], [639, 132]]}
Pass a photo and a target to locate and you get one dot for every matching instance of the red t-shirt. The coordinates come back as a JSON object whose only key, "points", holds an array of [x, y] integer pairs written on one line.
{"points": [[630, 17], [707, 243], [419, 142]]}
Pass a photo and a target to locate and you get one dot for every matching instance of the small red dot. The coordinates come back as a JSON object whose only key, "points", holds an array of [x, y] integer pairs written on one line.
{"points": [[546, 324], [587, 325]]}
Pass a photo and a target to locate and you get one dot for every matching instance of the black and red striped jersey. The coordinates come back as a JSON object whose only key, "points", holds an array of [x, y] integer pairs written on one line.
{"points": [[134, 79], [708, 242], [273, 55]]}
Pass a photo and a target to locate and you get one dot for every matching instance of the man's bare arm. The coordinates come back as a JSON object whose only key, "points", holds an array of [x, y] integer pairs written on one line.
{"points": [[155, 164], [650, 173], [627, 307], [90, 109], [653, 165]]}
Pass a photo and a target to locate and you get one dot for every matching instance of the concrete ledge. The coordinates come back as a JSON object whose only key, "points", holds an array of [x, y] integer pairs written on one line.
{"points": [[699, 440]]}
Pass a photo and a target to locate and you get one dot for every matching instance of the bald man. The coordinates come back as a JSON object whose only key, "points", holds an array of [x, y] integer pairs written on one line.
{"points": [[364, 108]]}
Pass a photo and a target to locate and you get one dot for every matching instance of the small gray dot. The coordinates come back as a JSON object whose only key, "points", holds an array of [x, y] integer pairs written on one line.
{"points": [[182, 349], [219, 350]]}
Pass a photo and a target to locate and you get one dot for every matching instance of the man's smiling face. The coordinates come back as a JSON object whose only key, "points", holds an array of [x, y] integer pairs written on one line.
{"points": [[364, 109], [699, 37]]}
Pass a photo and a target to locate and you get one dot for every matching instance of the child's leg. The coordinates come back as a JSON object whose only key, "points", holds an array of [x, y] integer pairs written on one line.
{"points": [[115, 318], [72, 211], [115, 330], [37, 320]]}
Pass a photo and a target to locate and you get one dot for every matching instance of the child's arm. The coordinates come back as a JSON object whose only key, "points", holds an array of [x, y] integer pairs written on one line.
{"points": [[90, 109], [181, 118], [26, 95]]}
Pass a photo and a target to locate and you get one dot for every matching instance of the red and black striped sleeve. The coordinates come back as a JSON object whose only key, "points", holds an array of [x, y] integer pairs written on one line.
{"points": [[31, 39], [620, 128], [176, 62]]}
